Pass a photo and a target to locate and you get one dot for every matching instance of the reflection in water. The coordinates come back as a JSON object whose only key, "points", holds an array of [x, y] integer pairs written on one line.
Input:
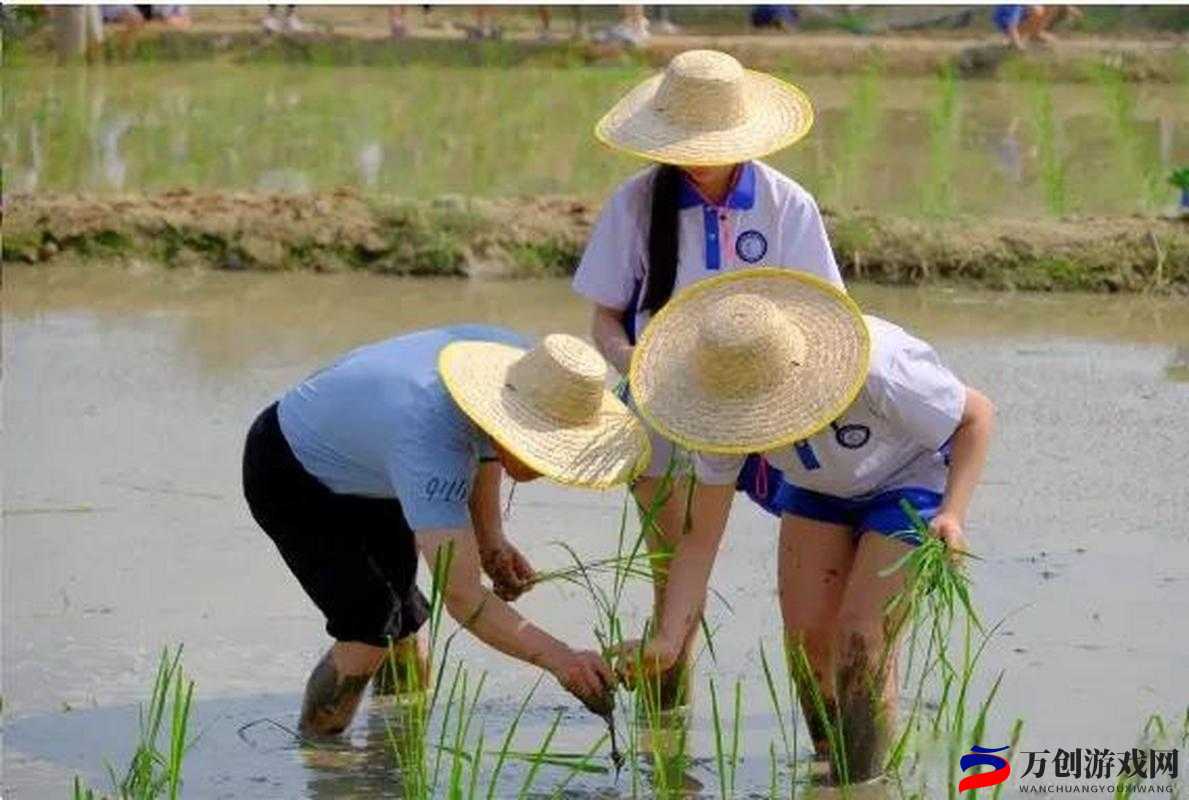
{"points": [[224, 126], [361, 766], [371, 158]]}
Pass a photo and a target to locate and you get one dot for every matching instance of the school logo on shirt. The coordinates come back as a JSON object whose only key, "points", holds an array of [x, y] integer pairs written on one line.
{"points": [[852, 437], [751, 246]]}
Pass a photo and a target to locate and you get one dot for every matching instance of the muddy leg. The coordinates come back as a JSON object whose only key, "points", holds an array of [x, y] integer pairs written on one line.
{"points": [[814, 562], [405, 667], [662, 536], [865, 655], [336, 686]]}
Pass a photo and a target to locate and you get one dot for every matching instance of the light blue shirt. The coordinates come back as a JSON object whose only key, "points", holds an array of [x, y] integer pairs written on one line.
{"points": [[379, 422]]}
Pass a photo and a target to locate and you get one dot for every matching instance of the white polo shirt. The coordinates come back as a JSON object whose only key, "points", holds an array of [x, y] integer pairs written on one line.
{"points": [[767, 220], [894, 436]]}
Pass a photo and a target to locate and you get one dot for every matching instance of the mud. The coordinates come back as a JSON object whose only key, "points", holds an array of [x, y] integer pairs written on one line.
{"points": [[544, 236]]}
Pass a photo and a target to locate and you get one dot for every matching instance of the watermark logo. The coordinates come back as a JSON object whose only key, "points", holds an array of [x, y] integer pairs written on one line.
{"points": [[984, 757]]}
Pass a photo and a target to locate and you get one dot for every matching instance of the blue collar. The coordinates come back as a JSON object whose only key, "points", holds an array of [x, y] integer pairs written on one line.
{"points": [[742, 196]]}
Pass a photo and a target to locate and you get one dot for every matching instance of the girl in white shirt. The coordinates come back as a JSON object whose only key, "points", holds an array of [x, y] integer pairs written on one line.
{"points": [[705, 208], [859, 415]]}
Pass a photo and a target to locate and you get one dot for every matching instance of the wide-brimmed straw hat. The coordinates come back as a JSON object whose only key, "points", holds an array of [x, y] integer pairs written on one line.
{"points": [[750, 361], [549, 407], [706, 109]]}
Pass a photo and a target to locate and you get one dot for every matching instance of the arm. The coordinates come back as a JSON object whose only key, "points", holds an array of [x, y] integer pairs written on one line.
{"points": [[606, 328], [510, 572], [499, 625], [968, 454], [687, 578]]}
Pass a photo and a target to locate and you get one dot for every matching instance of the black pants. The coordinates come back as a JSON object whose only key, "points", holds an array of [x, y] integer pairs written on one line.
{"points": [[354, 556]]}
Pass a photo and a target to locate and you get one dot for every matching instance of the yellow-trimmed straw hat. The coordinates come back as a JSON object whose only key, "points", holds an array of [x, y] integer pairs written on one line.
{"points": [[706, 109], [750, 361], [549, 407]]}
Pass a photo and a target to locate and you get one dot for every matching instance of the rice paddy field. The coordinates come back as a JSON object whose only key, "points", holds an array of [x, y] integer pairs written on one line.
{"points": [[127, 394], [1023, 146], [154, 645]]}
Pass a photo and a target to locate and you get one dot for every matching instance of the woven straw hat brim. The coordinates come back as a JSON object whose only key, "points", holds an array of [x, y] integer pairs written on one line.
{"points": [[778, 114], [808, 398], [611, 451]]}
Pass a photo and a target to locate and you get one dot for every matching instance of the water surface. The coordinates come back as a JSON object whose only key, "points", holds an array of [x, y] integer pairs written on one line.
{"points": [[127, 397], [905, 145]]}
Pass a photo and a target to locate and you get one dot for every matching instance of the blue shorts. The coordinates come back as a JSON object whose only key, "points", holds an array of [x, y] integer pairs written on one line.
{"points": [[1006, 17], [879, 512]]}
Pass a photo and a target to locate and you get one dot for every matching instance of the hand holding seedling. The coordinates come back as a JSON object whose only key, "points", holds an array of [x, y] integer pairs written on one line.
{"points": [[586, 675], [948, 528], [511, 574], [638, 660]]}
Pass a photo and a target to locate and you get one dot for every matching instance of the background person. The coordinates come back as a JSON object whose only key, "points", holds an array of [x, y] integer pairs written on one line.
{"points": [[859, 415], [707, 207], [400, 447]]}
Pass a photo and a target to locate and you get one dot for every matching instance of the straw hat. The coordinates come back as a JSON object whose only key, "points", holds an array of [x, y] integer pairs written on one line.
{"points": [[706, 109], [549, 407], [750, 361]]}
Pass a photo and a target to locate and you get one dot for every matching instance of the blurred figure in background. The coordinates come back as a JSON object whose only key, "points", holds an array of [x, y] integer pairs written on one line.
{"points": [[782, 18], [283, 19], [1031, 23]]}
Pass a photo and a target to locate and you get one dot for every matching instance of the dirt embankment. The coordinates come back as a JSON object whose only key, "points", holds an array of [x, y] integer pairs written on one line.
{"points": [[459, 237], [1162, 58]]}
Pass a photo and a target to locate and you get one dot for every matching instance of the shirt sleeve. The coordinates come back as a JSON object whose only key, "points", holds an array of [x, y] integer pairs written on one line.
{"points": [[804, 243], [717, 470], [434, 484], [918, 394], [609, 268]]}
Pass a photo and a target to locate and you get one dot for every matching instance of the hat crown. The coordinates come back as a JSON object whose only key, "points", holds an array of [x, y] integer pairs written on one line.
{"points": [[702, 90], [562, 376], [746, 345]]}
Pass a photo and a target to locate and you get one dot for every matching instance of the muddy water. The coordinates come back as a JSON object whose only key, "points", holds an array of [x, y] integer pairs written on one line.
{"points": [[904, 145], [127, 396]]}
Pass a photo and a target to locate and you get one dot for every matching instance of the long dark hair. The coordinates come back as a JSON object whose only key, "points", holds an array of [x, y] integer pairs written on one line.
{"points": [[662, 238]]}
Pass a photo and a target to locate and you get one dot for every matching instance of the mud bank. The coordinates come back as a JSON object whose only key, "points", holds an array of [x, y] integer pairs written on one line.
{"points": [[542, 236], [1161, 59]]}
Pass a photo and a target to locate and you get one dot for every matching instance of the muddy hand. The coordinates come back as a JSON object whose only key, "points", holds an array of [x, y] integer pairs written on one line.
{"points": [[636, 660], [586, 675]]}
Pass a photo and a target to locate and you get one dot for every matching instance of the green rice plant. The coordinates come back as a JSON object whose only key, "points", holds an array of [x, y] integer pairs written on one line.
{"points": [[1139, 155], [856, 140], [944, 130], [1016, 729], [154, 772], [1045, 131], [726, 757]]}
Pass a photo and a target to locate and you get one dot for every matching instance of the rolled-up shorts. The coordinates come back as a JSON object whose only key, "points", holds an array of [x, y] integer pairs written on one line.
{"points": [[354, 556]]}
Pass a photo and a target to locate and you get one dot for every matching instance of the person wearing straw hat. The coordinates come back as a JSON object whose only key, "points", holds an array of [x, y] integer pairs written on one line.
{"points": [[400, 447], [706, 207], [859, 415]]}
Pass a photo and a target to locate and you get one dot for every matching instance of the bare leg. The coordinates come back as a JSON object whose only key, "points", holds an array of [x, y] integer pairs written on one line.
{"points": [[864, 651], [662, 537], [812, 570], [336, 686], [405, 668]]}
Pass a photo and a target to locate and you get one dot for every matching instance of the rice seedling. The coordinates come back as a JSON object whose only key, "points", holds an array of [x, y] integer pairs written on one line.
{"points": [[1139, 157], [857, 137], [938, 199], [155, 771], [1053, 169]]}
